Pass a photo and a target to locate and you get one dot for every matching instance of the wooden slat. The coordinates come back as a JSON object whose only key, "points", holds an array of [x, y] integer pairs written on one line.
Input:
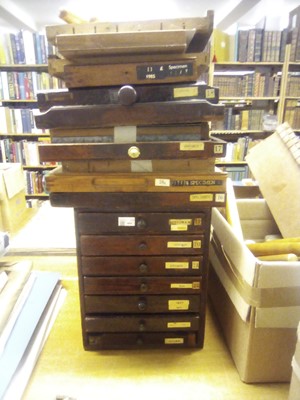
{"points": [[143, 42], [173, 112]]}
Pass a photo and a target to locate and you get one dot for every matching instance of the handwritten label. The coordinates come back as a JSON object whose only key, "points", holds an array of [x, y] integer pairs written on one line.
{"points": [[176, 265], [162, 182], [178, 305], [179, 245], [202, 197], [174, 340], [126, 221], [172, 325], [185, 92], [191, 146]]}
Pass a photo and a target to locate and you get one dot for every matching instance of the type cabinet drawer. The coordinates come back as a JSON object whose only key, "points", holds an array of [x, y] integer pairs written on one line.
{"points": [[94, 245], [142, 304], [150, 223], [141, 323], [141, 265], [136, 285]]}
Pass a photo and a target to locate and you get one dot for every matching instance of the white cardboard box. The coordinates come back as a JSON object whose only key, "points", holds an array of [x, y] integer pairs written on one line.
{"points": [[257, 303]]}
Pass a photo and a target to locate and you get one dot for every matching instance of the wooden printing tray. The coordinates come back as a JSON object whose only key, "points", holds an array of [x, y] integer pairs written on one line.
{"points": [[203, 149], [128, 73], [125, 134], [158, 113], [59, 181], [167, 35], [138, 201], [127, 95]]}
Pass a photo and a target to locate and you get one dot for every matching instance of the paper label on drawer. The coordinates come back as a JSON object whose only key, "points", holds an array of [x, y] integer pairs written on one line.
{"points": [[178, 304], [162, 182], [210, 93], [176, 265], [179, 245], [191, 146], [196, 244], [202, 197], [180, 221], [185, 92], [174, 340], [195, 264], [126, 221], [181, 285], [220, 198], [218, 149], [179, 228], [171, 325]]}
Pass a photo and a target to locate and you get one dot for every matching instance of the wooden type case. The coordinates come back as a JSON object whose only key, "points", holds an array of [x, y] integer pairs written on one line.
{"points": [[142, 276]]}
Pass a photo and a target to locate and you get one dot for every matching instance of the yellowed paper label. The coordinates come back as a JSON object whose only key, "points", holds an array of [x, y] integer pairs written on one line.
{"points": [[174, 340], [176, 265], [181, 286], [195, 265], [179, 228], [171, 325], [198, 221], [220, 197], [178, 304], [196, 285], [218, 149], [162, 182], [210, 93], [196, 244], [202, 197], [179, 245], [180, 221], [191, 146], [185, 92]]}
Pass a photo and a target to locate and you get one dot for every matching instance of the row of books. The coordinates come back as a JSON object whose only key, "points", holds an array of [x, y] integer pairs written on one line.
{"points": [[293, 84], [237, 151], [292, 113], [29, 303], [34, 182], [260, 45], [247, 119], [24, 47], [295, 44], [21, 151], [248, 84], [237, 173], [18, 121], [24, 85]]}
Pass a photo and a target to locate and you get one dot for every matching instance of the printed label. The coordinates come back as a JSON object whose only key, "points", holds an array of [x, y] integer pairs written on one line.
{"points": [[210, 93], [174, 340], [126, 221], [176, 228], [162, 182], [196, 244], [196, 285], [202, 197], [178, 304], [220, 197], [185, 92], [180, 221], [190, 146], [162, 71], [171, 325], [195, 265], [198, 221], [218, 148], [181, 286], [176, 265], [196, 182], [179, 245]]}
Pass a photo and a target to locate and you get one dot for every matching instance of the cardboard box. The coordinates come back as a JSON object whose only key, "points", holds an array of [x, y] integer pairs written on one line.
{"points": [[12, 196], [257, 303], [294, 393], [275, 164]]}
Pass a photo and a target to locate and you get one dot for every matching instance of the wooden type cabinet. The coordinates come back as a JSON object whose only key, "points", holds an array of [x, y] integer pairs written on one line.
{"points": [[142, 276]]}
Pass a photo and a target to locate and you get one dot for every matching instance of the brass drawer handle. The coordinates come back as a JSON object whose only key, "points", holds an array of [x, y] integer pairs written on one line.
{"points": [[143, 268], [134, 152]]}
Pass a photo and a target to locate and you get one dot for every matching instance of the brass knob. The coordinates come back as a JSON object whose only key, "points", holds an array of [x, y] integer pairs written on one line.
{"points": [[134, 152], [142, 305], [143, 287], [143, 246], [141, 223], [143, 268]]}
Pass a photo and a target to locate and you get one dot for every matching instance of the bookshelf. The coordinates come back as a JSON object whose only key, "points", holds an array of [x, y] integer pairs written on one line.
{"points": [[23, 73]]}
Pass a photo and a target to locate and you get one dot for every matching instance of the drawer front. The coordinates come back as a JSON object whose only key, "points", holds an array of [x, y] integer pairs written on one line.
{"points": [[136, 285], [136, 265], [93, 245], [153, 304], [140, 340], [141, 323], [150, 223]]}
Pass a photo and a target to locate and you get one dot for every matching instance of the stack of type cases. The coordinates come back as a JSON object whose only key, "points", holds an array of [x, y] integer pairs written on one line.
{"points": [[137, 164]]}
